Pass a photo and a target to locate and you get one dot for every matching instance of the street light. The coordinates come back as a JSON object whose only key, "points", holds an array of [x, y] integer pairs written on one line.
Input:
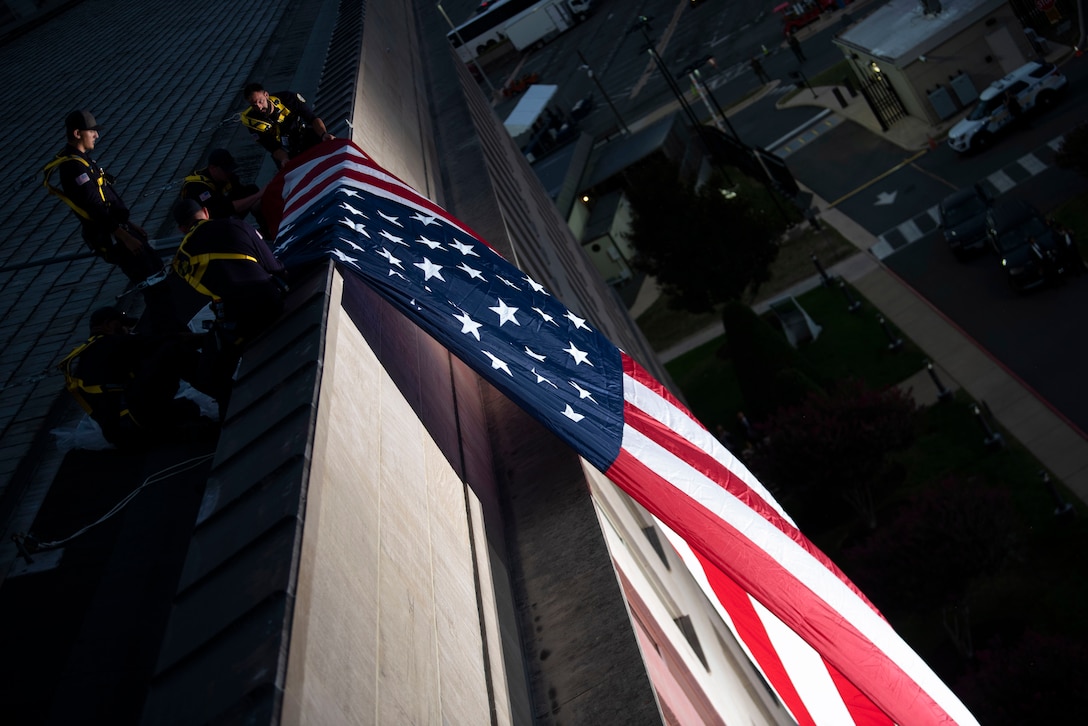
{"points": [[593, 77], [474, 62], [643, 24], [692, 71]]}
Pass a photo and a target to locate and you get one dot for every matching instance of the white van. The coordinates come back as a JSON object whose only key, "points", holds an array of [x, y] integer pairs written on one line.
{"points": [[1035, 86]]}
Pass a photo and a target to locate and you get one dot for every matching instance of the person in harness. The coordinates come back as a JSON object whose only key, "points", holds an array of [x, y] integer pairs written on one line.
{"points": [[217, 188], [127, 383], [104, 219], [227, 261], [283, 123]]}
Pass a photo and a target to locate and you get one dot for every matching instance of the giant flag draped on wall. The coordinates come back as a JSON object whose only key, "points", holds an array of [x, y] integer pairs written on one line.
{"points": [[760, 571]]}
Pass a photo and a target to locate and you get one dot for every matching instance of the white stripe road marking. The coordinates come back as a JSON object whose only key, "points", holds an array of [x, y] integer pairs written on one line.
{"points": [[1056, 143], [910, 230], [1001, 181], [881, 249], [934, 213], [1032, 163]]}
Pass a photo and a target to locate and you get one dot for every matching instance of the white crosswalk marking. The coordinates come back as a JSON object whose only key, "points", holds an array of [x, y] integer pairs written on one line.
{"points": [[1001, 181], [1032, 163], [910, 231]]}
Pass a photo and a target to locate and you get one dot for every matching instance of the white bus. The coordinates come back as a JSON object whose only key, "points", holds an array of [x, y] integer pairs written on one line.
{"points": [[485, 30]]}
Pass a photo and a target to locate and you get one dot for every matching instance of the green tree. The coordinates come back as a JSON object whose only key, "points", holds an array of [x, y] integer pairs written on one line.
{"points": [[837, 444], [770, 374], [1073, 152], [702, 248]]}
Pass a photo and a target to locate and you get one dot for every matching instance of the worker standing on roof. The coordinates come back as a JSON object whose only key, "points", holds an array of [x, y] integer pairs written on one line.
{"points": [[88, 190], [106, 227], [283, 123], [227, 261]]}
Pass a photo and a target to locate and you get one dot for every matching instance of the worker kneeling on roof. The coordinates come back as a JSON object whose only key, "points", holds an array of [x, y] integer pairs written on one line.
{"points": [[228, 261], [128, 383]]}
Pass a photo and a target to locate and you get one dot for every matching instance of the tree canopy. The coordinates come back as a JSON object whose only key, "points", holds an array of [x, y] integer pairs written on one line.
{"points": [[702, 248]]}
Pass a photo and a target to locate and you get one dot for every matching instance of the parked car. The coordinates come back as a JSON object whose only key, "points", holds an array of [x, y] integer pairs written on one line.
{"points": [[1030, 252], [963, 220], [1034, 85]]}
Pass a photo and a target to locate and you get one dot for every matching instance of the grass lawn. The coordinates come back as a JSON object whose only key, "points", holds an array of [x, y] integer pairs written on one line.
{"points": [[851, 345]]}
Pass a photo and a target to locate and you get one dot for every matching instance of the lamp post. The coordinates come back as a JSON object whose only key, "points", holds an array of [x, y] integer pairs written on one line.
{"points": [[1060, 505], [801, 75], [475, 64], [825, 280], [852, 303], [692, 71], [643, 24], [943, 394], [894, 341], [593, 77], [994, 439]]}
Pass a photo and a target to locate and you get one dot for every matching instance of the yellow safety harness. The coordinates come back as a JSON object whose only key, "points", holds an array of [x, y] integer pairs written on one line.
{"points": [[191, 268], [47, 172], [262, 126], [197, 178], [79, 389]]}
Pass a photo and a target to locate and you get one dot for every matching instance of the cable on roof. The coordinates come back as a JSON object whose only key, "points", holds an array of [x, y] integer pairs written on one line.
{"points": [[28, 543]]}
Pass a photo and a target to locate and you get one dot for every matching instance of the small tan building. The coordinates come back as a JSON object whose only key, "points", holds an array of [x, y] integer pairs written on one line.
{"points": [[929, 60]]}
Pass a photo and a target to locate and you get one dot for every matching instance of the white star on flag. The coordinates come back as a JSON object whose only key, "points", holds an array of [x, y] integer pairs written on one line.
{"points": [[569, 413], [355, 227], [425, 219], [391, 220], [353, 210], [389, 256], [542, 379], [505, 313], [474, 274], [529, 352], [582, 393], [547, 318], [537, 287], [497, 364], [464, 249], [429, 242], [579, 323], [430, 270], [578, 356], [393, 238], [468, 325]]}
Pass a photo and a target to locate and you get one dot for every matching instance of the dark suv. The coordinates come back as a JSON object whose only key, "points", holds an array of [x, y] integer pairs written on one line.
{"points": [[1029, 251], [963, 220]]}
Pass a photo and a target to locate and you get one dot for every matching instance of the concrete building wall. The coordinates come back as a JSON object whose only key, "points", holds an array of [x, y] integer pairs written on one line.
{"points": [[387, 620]]}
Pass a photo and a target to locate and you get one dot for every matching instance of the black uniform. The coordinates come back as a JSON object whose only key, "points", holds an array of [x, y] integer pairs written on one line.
{"points": [[288, 124], [217, 198], [226, 260], [127, 384], [88, 191]]}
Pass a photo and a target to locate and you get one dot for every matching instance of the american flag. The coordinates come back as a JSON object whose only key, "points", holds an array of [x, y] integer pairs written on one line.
{"points": [[825, 649]]}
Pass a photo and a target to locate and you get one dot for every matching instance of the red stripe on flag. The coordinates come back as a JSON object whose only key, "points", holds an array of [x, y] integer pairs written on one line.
{"points": [[753, 569], [714, 470], [751, 631]]}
